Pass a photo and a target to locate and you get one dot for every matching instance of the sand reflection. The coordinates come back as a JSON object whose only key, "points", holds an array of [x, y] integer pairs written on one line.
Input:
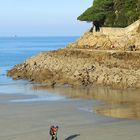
{"points": [[118, 103]]}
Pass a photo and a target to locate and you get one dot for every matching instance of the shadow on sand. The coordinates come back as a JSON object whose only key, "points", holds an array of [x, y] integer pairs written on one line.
{"points": [[72, 137]]}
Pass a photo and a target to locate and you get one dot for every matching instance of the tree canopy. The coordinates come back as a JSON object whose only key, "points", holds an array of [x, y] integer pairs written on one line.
{"points": [[112, 13]]}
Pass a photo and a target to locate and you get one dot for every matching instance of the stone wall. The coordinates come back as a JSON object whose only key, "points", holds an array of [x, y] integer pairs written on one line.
{"points": [[111, 39], [135, 27], [113, 31]]}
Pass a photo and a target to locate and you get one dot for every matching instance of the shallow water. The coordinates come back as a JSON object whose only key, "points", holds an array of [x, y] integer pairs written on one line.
{"points": [[14, 51], [114, 103]]}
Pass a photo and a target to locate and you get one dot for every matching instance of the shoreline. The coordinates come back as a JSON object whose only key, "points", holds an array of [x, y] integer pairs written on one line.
{"points": [[32, 121], [113, 103], [109, 58], [80, 67]]}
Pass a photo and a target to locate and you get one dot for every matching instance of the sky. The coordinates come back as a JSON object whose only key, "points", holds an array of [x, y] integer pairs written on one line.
{"points": [[42, 17]]}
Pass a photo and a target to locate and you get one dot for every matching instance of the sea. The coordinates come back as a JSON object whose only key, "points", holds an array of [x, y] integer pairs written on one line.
{"points": [[14, 50]]}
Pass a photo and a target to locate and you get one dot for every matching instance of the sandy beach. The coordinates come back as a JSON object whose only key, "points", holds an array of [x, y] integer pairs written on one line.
{"points": [[75, 118], [83, 78]]}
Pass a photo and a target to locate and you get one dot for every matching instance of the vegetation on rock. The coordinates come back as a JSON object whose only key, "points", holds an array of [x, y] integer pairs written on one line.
{"points": [[112, 13]]}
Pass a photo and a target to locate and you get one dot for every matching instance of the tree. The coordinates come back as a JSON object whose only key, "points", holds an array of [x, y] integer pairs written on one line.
{"points": [[97, 13], [112, 13]]}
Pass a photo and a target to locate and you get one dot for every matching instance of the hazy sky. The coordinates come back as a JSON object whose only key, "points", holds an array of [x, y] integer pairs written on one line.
{"points": [[42, 17]]}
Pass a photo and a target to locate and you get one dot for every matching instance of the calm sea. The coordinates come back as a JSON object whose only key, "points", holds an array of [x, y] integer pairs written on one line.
{"points": [[15, 50]]}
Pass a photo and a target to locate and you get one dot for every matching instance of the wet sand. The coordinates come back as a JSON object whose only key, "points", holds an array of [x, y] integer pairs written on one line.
{"points": [[114, 103], [31, 121]]}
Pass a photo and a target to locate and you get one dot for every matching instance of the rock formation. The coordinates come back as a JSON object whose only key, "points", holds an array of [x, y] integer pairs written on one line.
{"points": [[111, 38], [95, 58]]}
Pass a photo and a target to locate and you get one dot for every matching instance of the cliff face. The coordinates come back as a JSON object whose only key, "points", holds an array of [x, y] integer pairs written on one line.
{"points": [[111, 38], [96, 58], [80, 67]]}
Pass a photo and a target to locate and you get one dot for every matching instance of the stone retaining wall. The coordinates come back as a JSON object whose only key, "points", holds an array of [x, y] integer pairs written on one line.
{"points": [[135, 27]]}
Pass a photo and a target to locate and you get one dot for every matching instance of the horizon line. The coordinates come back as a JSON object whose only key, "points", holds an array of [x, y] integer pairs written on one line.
{"points": [[40, 36]]}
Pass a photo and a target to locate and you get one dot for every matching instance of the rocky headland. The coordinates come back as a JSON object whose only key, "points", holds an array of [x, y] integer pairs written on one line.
{"points": [[110, 57]]}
